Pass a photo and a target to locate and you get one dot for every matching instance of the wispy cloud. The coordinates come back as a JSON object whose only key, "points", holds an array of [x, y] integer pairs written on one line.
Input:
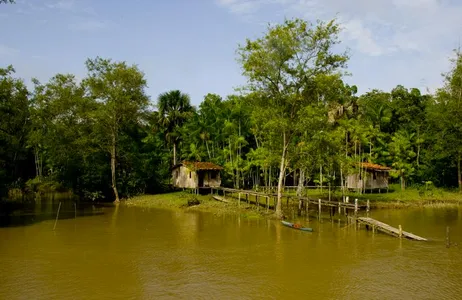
{"points": [[374, 27], [7, 51], [408, 38], [62, 5], [90, 25]]}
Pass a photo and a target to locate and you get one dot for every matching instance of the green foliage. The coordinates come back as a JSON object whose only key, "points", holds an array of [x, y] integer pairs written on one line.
{"points": [[296, 122]]}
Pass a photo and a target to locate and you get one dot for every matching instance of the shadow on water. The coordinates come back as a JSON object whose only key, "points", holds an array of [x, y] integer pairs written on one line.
{"points": [[41, 208]]}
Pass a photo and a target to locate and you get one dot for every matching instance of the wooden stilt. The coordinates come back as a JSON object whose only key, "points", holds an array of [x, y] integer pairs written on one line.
{"points": [[319, 209], [356, 208], [448, 241]]}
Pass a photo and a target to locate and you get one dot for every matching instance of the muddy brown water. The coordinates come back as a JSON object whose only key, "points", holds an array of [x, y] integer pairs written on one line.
{"points": [[135, 253]]}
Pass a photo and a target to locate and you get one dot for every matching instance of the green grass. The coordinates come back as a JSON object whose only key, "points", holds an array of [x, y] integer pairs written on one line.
{"points": [[179, 200], [395, 198]]}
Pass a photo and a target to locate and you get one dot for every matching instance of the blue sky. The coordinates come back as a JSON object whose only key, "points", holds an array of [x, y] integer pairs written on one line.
{"points": [[190, 44]]}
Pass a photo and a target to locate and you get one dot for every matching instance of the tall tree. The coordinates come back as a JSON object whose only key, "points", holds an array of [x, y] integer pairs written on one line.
{"points": [[14, 127], [174, 109], [281, 67], [119, 91], [450, 116]]}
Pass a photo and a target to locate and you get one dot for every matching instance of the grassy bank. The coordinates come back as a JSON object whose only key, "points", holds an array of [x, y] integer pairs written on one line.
{"points": [[186, 201], [396, 198]]}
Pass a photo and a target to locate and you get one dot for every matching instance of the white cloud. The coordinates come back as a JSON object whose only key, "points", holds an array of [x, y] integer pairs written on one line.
{"points": [[7, 51], [62, 5], [375, 27], [384, 31], [90, 25]]}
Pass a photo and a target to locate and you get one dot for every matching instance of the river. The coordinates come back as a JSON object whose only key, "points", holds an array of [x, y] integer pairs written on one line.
{"points": [[134, 253]]}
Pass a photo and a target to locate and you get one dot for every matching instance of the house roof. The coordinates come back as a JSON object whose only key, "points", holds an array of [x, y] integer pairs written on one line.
{"points": [[199, 165], [375, 167]]}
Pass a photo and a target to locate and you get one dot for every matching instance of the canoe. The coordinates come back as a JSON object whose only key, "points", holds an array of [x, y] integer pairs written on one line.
{"points": [[296, 226]]}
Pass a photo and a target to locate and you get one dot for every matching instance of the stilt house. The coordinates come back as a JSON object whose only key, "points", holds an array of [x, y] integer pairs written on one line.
{"points": [[195, 175], [371, 177]]}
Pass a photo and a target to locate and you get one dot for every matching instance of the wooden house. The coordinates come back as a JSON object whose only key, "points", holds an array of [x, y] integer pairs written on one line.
{"points": [[195, 175], [371, 177]]}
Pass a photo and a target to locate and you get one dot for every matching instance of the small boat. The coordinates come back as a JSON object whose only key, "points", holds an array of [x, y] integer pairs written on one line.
{"points": [[296, 226]]}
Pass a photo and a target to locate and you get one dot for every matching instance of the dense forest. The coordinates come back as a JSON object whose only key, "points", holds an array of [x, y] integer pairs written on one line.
{"points": [[104, 137]]}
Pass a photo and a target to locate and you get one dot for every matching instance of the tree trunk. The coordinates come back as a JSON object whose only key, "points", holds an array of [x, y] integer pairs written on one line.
{"points": [[459, 173], [174, 153], [320, 176], [301, 182], [342, 183], [403, 182], [282, 171], [208, 150], [113, 168]]}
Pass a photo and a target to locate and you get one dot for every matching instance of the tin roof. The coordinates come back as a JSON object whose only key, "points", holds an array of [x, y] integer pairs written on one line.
{"points": [[376, 167], [199, 165]]}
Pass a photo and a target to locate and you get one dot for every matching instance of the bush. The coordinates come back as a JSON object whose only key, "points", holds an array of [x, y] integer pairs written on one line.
{"points": [[43, 186]]}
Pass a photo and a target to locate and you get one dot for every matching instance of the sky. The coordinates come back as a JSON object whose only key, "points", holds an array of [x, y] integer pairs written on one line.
{"points": [[191, 45]]}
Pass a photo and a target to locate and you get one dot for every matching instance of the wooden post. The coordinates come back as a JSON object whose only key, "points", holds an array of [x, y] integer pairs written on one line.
{"points": [[368, 206], [247, 198], [448, 242], [306, 208], [319, 209], [356, 207], [400, 233], [57, 215], [267, 203], [239, 201]]}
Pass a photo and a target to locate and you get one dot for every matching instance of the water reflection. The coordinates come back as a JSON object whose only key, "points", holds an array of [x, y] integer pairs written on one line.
{"points": [[127, 252], [45, 207]]}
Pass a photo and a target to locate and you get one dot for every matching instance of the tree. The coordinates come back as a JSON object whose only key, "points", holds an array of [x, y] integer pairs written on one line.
{"points": [[14, 127], [174, 109], [402, 153], [281, 67], [7, 1], [450, 115], [118, 89]]}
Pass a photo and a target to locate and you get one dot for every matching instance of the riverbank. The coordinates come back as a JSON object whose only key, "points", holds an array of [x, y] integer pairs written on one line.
{"points": [[395, 198], [204, 203], [410, 198]]}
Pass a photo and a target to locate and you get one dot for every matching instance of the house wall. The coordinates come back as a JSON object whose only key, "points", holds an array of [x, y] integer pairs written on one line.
{"points": [[209, 181], [380, 181], [184, 178]]}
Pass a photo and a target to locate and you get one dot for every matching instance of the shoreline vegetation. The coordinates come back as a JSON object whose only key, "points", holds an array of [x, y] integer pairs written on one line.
{"points": [[179, 200], [410, 198], [295, 122]]}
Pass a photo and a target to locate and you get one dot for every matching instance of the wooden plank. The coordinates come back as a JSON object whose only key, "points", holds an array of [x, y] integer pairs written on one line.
{"points": [[377, 225], [218, 198]]}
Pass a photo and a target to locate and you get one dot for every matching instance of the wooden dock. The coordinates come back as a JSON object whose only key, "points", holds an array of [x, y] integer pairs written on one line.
{"points": [[318, 202], [380, 226]]}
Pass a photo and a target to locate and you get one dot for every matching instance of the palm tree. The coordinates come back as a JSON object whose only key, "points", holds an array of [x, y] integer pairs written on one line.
{"points": [[174, 109]]}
